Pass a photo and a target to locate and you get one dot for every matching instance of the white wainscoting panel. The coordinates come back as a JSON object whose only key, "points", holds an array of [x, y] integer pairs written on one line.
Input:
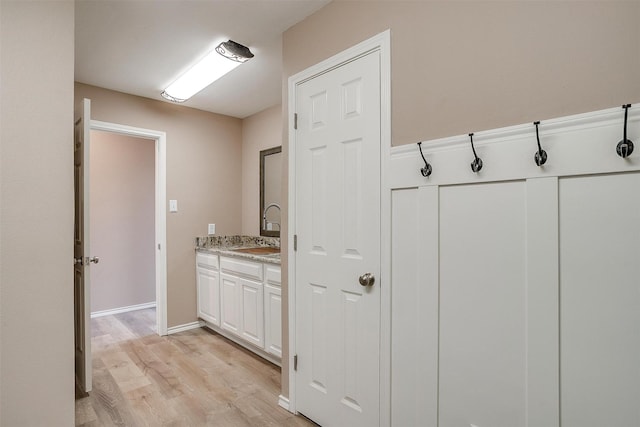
{"points": [[482, 304], [600, 300], [543, 404], [515, 292], [414, 305]]}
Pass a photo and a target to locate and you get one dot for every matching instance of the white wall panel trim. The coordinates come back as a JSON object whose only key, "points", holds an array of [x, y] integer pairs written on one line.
{"points": [[542, 304], [415, 307], [577, 144]]}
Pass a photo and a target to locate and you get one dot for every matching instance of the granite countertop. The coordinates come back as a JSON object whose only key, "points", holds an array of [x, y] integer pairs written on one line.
{"points": [[227, 246]]}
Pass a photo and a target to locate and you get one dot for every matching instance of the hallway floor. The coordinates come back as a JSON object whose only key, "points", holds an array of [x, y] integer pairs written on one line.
{"points": [[192, 378]]}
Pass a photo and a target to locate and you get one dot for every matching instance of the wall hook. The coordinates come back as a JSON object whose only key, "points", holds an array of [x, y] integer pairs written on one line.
{"points": [[427, 169], [625, 147], [541, 155], [476, 165]]}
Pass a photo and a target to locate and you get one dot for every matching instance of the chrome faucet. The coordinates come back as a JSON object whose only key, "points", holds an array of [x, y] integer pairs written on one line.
{"points": [[264, 215]]}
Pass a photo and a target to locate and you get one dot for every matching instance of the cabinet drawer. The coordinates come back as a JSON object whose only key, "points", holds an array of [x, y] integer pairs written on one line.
{"points": [[240, 267], [272, 274], [209, 261]]}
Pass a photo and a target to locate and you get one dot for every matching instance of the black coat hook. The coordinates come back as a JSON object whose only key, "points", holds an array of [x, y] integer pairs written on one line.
{"points": [[427, 169], [476, 165], [541, 155], [625, 147]]}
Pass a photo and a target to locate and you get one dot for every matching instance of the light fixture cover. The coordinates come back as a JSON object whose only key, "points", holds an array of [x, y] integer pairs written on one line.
{"points": [[224, 58], [234, 51]]}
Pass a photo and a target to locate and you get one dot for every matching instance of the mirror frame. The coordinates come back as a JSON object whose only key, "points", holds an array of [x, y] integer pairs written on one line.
{"points": [[263, 154]]}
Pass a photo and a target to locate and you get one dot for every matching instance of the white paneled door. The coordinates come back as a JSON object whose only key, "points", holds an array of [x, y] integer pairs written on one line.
{"points": [[337, 223]]}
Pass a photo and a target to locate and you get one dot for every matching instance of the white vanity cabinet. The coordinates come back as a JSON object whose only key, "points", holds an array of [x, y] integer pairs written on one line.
{"points": [[251, 312], [242, 306], [272, 310], [230, 314], [208, 287], [241, 299]]}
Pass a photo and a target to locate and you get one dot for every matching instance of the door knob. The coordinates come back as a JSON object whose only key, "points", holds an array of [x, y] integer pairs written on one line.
{"points": [[94, 259], [77, 261], [367, 279]]}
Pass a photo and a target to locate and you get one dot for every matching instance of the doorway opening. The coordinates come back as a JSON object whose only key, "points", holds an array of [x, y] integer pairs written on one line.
{"points": [[122, 223], [130, 223]]}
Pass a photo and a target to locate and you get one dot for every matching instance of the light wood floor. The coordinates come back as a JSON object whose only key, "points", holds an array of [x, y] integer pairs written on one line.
{"points": [[192, 378]]}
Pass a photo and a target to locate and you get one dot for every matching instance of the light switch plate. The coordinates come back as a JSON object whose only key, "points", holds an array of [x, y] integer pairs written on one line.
{"points": [[173, 206], [212, 229]]}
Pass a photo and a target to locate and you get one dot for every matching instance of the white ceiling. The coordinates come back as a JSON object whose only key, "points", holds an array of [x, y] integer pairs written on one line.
{"points": [[140, 47]]}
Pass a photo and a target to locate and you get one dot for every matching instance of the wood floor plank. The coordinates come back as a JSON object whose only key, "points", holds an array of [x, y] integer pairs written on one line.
{"points": [[158, 373], [126, 374], [106, 398], [85, 413], [137, 322], [151, 406], [193, 378]]}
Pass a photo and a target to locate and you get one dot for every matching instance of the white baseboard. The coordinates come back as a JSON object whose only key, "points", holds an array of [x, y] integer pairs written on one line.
{"points": [[185, 327], [135, 307], [283, 402]]}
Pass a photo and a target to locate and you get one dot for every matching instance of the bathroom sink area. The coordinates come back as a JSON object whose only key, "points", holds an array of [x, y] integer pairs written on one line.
{"points": [[259, 250], [256, 248]]}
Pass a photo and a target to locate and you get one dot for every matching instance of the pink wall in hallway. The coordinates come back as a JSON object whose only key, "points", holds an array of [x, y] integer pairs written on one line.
{"points": [[122, 220]]}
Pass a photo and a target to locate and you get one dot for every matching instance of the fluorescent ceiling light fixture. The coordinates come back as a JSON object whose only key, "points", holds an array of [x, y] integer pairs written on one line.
{"points": [[224, 58]]}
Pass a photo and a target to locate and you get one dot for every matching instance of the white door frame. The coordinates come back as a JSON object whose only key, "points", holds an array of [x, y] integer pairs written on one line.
{"points": [[381, 43], [160, 139]]}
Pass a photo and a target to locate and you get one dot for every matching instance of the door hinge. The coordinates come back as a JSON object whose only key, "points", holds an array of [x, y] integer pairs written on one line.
{"points": [[295, 242], [295, 362], [158, 246], [295, 120]]}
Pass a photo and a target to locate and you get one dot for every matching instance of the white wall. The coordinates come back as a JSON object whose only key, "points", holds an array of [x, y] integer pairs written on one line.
{"points": [[36, 199], [122, 220]]}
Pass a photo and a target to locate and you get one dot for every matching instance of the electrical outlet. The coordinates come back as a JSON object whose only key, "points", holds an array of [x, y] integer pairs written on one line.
{"points": [[212, 229]]}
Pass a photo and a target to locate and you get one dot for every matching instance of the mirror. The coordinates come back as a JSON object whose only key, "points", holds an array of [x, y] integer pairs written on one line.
{"points": [[270, 189]]}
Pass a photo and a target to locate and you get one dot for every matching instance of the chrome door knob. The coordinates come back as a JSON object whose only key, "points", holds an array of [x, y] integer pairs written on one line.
{"points": [[367, 279], [94, 259], [77, 261]]}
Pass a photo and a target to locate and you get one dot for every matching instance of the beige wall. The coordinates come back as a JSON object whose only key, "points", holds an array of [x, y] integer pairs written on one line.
{"points": [[36, 200], [259, 132], [122, 220], [204, 153], [460, 67]]}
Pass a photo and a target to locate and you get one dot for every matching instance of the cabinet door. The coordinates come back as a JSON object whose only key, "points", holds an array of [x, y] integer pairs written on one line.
{"points": [[251, 312], [209, 295], [272, 320], [230, 307]]}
